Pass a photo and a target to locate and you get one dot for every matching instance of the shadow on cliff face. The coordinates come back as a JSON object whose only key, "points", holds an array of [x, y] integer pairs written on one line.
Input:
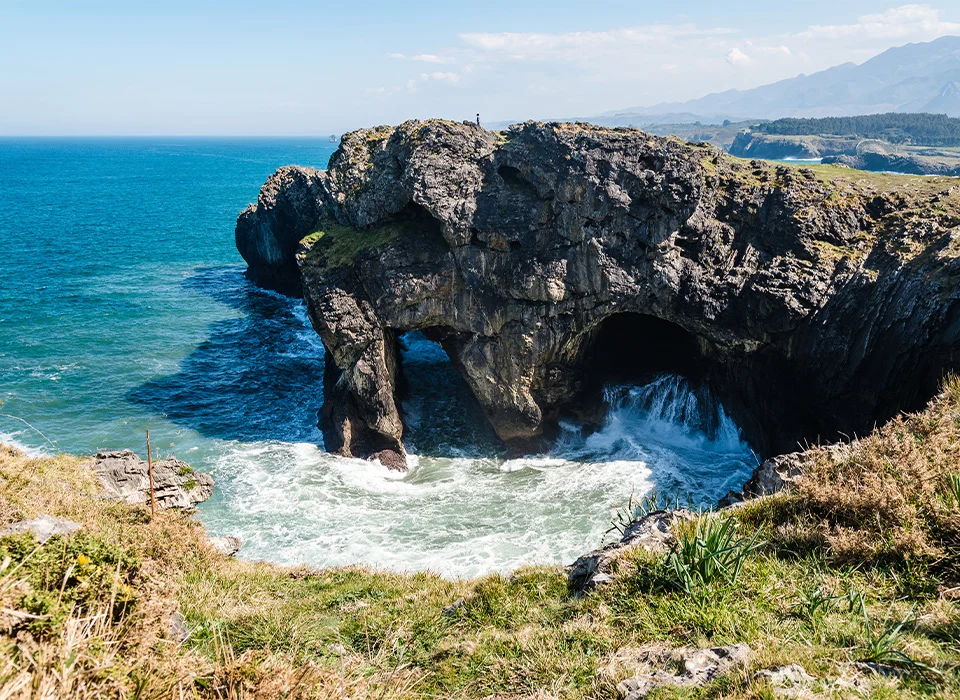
{"points": [[637, 347], [257, 377]]}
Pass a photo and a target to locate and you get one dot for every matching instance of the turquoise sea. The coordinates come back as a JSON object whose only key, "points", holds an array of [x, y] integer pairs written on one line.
{"points": [[123, 307]]}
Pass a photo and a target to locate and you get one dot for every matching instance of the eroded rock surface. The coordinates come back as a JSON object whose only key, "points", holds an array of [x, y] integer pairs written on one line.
{"points": [[652, 532], [123, 476], [812, 307], [683, 667]]}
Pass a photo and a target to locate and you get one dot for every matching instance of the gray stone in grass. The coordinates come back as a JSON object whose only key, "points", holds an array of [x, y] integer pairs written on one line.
{"points": [[787, 681], [694, 667], [177, 629], [44, 527], [652, 532]]}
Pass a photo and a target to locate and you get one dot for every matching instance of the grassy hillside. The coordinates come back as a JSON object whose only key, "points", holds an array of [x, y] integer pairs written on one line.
{"points": [[861, 563]]}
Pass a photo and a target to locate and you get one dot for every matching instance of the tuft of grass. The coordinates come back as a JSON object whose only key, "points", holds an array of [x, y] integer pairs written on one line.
{"points": [[881, 503], [815, 601], [711, 551], [883, 644], [953, 490]]}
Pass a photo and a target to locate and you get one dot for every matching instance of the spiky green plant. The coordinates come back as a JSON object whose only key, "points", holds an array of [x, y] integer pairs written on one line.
{"points": [[883, 645], [712, 551], [953, 490], [815, 601], [635, 508]]}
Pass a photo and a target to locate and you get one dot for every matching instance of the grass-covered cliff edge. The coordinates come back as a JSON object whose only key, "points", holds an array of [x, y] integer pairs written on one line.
{"points": [[859, 562]]}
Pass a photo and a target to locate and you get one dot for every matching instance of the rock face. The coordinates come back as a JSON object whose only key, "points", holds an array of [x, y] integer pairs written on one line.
{"points": [[749, 144], [123, 476], [887, 162], [550, 258], [269, 232]]}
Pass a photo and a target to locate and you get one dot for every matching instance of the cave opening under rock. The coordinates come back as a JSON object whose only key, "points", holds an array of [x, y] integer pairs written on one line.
{"points": [[635, 348], [441, 415]]}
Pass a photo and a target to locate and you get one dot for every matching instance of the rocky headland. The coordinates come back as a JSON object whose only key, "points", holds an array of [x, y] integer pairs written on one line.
{"points": [[879, 161], [851, 151], [550, 258]]}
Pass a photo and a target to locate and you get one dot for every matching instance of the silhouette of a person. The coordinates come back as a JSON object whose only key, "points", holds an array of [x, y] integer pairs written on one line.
{"points": [[478, 119]]}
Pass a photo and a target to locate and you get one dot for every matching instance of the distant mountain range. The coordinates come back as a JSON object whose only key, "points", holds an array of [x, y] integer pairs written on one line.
{"points": [[921, 77]]}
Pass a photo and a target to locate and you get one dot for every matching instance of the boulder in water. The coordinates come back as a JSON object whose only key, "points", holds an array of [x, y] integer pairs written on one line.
{"points": [[226, 545]]}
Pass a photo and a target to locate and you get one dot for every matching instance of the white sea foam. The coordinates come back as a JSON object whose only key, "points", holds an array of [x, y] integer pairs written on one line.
{"points": [[14, 440], [463, 516]]}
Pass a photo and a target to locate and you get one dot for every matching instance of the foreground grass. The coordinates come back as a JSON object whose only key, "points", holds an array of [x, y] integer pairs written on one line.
{"points": [[858, 564]]}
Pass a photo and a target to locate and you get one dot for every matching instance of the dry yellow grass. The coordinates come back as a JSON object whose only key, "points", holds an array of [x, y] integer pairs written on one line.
{"points": [[889, 499]]}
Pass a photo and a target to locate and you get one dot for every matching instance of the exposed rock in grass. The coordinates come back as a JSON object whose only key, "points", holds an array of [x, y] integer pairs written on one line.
{"points": [[44, 527], [782, 472], [787, 681], [178, 630], [652, 532], [123, 476], [682, 668]]}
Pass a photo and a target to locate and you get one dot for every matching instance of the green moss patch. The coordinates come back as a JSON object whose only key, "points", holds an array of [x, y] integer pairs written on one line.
{"points": [[334, 245]]}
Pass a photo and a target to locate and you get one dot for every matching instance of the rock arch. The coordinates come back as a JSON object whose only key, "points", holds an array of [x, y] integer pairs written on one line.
{"points": [[819, 305]]}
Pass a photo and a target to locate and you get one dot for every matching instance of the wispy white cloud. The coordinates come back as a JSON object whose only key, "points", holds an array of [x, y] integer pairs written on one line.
{"points": [[553, 45], [422, 57], [441, 76], [586, 72], [904, 21]]}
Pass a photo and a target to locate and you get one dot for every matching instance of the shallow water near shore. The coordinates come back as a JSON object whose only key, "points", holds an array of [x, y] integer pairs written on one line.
{"points": [[123, 306]]}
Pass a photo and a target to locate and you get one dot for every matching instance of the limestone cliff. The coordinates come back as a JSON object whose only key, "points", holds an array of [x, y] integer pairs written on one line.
{"points": [[549, 258]]}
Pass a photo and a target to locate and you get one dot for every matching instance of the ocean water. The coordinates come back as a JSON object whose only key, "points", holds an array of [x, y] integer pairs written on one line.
{"points": [[123, 307]]}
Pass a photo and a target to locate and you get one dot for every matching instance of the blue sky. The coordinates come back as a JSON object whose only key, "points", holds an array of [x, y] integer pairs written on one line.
{"points": [[304, 68]]}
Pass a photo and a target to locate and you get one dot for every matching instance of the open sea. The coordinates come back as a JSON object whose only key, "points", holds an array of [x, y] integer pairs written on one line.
{"points": [[123, 307]]}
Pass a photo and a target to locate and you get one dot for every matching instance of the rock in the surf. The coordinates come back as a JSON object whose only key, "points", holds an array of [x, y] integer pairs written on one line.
{"points": [[226, 545]]}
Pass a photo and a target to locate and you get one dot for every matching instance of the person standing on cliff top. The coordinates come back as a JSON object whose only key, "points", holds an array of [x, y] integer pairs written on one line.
{"points": [[478, 118]]}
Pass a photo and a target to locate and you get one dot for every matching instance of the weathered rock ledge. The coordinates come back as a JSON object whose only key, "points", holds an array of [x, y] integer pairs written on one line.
{"points": [[549, 258]]}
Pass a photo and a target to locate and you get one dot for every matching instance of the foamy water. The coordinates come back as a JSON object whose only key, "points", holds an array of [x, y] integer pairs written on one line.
{"points": [[457, 511]]}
